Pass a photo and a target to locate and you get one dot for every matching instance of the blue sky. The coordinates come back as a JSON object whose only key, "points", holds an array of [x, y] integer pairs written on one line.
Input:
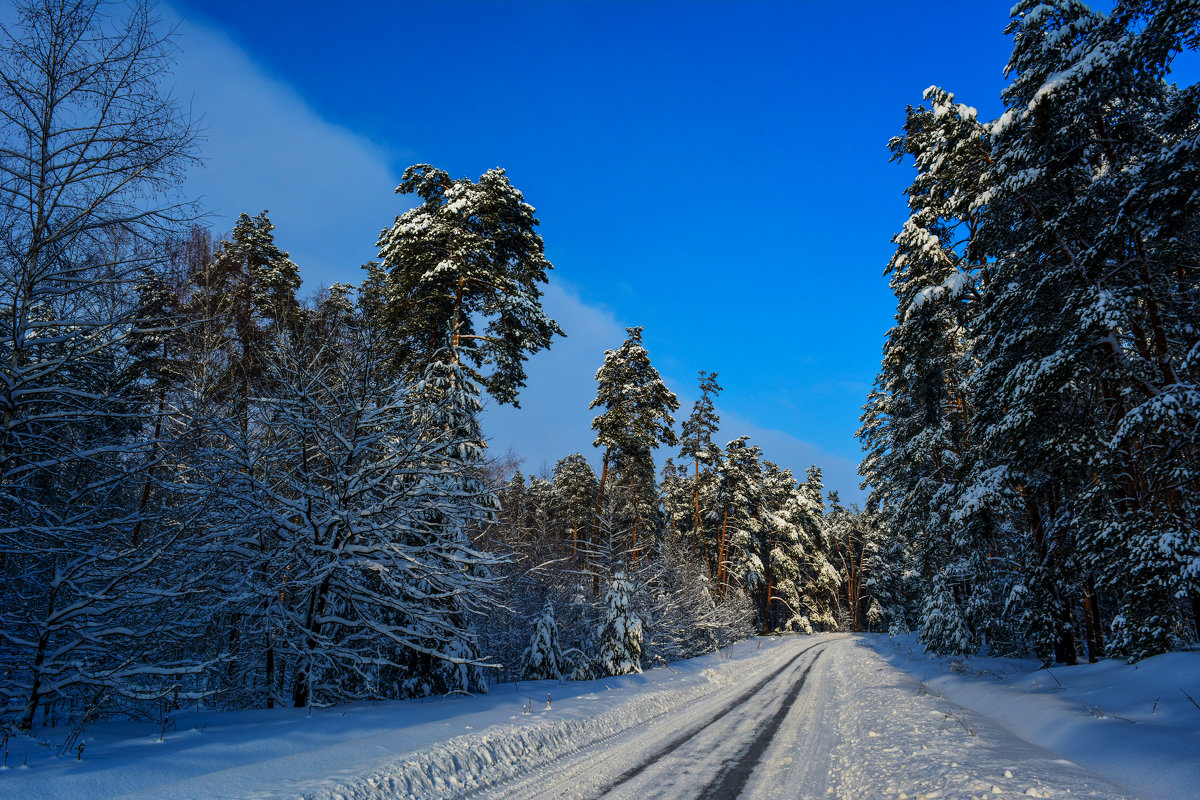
{"points": [[715, 172]]}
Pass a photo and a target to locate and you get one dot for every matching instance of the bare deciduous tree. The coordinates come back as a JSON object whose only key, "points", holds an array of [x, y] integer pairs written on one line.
{"points": [[92, 153]]}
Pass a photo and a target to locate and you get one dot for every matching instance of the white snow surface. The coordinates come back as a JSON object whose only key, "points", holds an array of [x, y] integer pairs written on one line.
{"points": [[411, 748], [1136, 725], [779, 717]]}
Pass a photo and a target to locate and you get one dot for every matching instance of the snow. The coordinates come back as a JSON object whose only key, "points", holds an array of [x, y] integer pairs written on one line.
{"points": [[776, 717], [400, 748], [1132, 724]]}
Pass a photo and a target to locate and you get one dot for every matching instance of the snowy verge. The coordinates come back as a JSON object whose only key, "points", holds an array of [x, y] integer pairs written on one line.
{"points": [[437, 748], [1133, 724]]}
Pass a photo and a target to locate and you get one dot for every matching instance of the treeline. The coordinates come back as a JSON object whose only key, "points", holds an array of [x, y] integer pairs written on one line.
{"points": [[723, 545], [1032, 436], [214, 490]]}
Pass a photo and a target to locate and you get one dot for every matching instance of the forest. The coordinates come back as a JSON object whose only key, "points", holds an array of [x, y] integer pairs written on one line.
{"points": [[219, 490]]}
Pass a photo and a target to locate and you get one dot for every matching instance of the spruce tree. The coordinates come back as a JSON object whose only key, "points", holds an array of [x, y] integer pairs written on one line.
{"points": [[543, 658], [943, 630], [620, 635]]}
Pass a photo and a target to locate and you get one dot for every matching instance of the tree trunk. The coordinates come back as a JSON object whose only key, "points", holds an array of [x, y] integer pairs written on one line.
{"points": [[301, 696], [768, 621], [35, 689], [145, 501], [1060, 610], [1091, 611], [721, 556], [596, 526], [270, 673]]}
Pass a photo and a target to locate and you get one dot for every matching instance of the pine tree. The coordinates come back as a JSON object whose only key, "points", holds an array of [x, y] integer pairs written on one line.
{"points": [[271, 275], [1026, 441], [468, 253], [575, 489], [738, 510], [917, 424], [635, 419], [783, 550], [819, 580], [697, 448]]}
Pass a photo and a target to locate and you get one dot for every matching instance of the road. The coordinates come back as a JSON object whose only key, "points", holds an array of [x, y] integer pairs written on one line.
{"points": [[824, 718]]}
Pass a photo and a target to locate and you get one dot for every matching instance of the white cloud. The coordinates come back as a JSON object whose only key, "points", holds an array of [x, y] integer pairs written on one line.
{"points": [[329, 190]]}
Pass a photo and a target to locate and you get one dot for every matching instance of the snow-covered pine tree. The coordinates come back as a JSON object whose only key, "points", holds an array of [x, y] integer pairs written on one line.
{"points": [[819, 580], [916, 426], [1073, 337], [246, 289], [1144, 557], [272, 276], [575, 489], [783, 550], [543, 659], [469, 253], [620, 635], [739, 515], [635, 418], [696, 449]]}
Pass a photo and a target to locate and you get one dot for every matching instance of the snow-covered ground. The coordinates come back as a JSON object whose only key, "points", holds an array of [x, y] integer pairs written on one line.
{"points": [[789, 717], [1138, 725], [396, 749]]}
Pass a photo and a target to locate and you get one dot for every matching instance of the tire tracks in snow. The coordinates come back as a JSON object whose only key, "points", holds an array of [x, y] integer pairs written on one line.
{"points": [[734, 774], [733, 778], [507, 785]]}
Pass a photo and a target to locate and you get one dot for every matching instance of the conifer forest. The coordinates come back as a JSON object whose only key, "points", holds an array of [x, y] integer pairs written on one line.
{"points": [[223, 489]]}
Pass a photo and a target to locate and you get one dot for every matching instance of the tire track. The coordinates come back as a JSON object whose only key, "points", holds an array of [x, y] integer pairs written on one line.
{"points": [[690, 733], [732, 780], [507, 785]]}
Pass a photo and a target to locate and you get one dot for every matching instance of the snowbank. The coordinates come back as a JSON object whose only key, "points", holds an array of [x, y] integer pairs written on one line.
{"points": [[1135, 725], [394, 750]]}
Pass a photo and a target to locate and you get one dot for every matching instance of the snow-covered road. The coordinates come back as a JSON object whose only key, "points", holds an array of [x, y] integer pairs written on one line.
{"points": [[823, 716], [826, 718]]}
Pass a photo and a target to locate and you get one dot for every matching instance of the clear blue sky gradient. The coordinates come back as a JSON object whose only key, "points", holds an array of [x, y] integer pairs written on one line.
{"points": [[716, 172]]}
